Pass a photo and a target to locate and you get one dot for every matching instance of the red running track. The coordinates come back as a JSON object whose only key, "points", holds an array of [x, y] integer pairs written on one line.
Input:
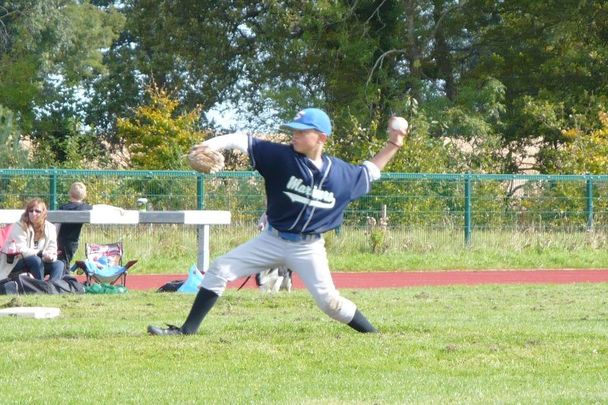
{"points": [[411, 279]]}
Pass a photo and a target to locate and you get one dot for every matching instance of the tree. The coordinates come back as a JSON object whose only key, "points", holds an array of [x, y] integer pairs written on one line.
{"points": [[196, 48], [157, 137], [498, 75], [12, 154], [551, 57], [49, 49], [585, 151]]}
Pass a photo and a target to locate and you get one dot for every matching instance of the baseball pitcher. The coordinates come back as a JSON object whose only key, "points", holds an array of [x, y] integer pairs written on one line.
{"points": [[306, 193]]}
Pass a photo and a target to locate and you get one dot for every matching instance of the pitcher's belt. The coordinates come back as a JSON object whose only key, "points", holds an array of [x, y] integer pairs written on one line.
{"points": [[294, 237]]}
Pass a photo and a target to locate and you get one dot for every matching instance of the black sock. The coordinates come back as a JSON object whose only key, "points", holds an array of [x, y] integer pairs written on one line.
{"points": [[361, 324], [204, 301]]}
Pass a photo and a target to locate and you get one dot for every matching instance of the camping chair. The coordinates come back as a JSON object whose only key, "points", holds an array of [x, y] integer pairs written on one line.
{"points": [[103, 264], [5, 230]]}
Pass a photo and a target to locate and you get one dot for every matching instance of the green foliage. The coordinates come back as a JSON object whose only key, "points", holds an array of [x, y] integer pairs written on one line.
{"points": [[158, 137], [51, 49], [83, 150], [61, 141], [171, 249], [46, 40], [19, 88], [550, 67], [12, 154], [500, 78], [470, 127], [585, 152], [354, 141], [421, 153], [377, 239], [81, 56]]}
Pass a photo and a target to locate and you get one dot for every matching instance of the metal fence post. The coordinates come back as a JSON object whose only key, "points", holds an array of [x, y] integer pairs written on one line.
{"points": [[200, 192], [467, 209], [589, 198], [53, 189], [202, 231]]}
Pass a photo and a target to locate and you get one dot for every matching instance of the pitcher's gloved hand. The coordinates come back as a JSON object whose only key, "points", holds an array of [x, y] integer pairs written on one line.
{"points": [[204, 159]]}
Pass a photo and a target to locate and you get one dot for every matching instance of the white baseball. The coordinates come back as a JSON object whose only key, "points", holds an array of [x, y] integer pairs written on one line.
{"points": [[399, 124]]}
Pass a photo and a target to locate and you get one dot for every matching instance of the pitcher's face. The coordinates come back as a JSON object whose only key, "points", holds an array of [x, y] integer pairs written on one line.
{"points": [[307, 141]]}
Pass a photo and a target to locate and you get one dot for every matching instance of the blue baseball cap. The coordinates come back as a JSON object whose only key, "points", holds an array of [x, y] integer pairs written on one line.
{"points": [[310, 118]]}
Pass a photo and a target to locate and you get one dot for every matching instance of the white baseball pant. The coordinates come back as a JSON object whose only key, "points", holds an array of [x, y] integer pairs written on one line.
{"points": [[307, 258]]}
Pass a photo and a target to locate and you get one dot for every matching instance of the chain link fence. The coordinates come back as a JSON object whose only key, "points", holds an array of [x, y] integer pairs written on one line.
{"points": [[403, 210]]}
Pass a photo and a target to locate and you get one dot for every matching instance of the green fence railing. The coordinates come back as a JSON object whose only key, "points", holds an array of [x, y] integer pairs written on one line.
{"points": [[469, 204]]}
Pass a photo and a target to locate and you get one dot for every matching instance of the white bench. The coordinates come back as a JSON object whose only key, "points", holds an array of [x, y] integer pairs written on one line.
{"points": [[110, 215]]}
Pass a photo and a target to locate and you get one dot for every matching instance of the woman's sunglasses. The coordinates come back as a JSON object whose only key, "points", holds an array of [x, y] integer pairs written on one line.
{"points": [[37, 211]]}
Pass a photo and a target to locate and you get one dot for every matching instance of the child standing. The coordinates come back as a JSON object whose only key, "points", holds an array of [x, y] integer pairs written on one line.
{"points": [[69, 233]]}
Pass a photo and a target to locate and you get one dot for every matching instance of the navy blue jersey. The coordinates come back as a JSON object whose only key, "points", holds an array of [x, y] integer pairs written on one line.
{"points": [[300, 197]]}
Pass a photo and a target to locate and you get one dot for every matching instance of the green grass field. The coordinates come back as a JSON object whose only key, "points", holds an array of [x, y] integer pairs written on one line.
{"points": [[482, 344], [173, 249]]}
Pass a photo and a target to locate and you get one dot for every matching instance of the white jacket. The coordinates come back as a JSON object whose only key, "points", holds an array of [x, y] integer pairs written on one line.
{"points": [[24, 239]]}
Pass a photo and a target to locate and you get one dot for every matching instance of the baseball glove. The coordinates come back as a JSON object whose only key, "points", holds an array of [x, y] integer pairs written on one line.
{"points": [[206, 160]]}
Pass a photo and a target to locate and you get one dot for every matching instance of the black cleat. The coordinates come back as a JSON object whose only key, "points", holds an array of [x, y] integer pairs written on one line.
{"points": [[171, 330]]}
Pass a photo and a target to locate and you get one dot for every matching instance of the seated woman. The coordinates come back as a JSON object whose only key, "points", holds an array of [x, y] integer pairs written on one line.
{"points": [[36, 242]]}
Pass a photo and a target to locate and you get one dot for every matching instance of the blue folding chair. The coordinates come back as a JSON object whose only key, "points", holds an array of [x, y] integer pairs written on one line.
{"points": [[103, 264]]}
